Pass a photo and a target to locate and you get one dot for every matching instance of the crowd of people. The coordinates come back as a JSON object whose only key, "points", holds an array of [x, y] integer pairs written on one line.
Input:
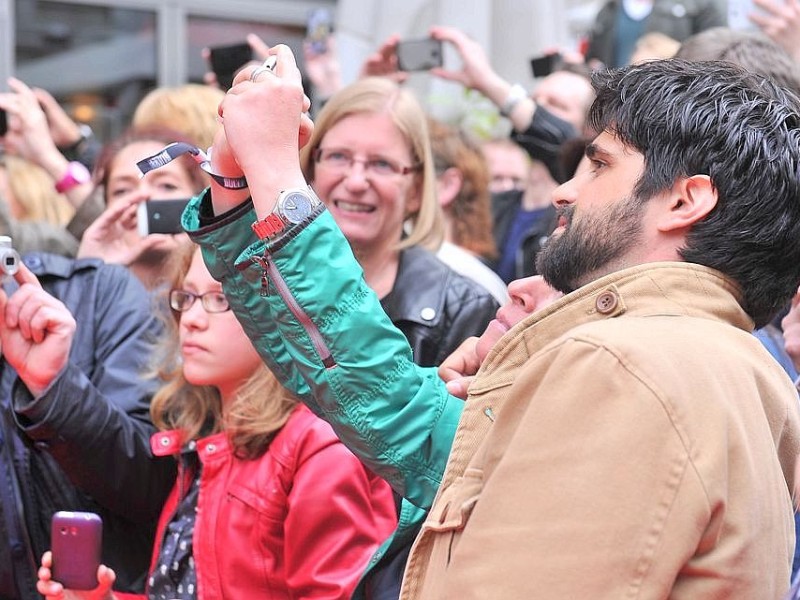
{"points": [[384, 358]]}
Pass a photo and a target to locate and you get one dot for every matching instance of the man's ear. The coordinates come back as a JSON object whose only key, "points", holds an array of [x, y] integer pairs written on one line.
{"points": [[448, 185], [689, 201]]}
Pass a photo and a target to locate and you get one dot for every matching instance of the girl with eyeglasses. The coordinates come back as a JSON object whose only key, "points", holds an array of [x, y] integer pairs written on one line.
{"points": [[268, 502]]}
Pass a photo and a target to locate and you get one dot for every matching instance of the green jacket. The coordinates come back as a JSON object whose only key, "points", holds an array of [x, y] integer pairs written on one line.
{"points": [[347, 362]]}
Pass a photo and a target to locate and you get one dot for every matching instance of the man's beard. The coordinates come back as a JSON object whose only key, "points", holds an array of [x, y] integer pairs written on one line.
{"points": [[585, 250]]}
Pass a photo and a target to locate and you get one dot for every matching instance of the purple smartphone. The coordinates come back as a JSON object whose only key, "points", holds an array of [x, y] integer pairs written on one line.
{"points": [[75, 539]]}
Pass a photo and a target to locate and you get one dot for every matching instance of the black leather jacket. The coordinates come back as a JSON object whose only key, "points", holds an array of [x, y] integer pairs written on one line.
{"points": [[435, 307], [85, 444]]}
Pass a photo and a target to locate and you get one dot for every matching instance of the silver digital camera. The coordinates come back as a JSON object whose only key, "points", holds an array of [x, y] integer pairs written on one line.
{"points": [[9, 258]]}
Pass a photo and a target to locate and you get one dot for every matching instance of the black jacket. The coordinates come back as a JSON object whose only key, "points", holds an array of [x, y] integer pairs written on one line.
{"points": [[435, 307], [85, 444], [677, 19], [543, 138], [505, 206]]}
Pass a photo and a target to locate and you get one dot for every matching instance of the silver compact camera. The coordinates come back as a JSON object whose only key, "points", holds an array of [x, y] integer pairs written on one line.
{"points": [[9, 258]]}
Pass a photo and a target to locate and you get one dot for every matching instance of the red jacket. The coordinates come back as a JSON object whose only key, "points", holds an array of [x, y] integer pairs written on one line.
{"points": [[301, 521]]}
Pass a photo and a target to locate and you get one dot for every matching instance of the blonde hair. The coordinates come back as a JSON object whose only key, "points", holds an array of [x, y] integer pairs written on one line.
{"points": [[190, 109], [375, 95], [34, 193], [259, 411]]}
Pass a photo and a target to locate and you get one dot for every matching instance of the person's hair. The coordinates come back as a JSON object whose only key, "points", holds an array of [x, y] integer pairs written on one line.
{"points": [[653, 45], [34, 192], [749, 49], [376, 95], [162, 135], [190, 109], [470, 212], [741, 130], [259, 411]]}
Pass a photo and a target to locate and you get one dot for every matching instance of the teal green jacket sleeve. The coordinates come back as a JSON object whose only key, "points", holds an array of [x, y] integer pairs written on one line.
{"points": [[306, 307]]}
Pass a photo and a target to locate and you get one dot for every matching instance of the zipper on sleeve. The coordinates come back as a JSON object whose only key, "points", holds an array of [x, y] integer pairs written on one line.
{"points": [[271, 272]]}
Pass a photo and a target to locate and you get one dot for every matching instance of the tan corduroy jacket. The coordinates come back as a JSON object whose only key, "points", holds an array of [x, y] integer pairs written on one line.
{"points": [[633, 440]]}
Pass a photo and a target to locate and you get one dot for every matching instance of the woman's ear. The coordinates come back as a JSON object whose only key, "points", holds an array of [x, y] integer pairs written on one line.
{"points": [[448, 186], [689, 201]]}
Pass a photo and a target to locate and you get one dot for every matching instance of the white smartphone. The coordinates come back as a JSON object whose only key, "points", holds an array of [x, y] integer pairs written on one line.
{"points": [[738, 11], [160, 216]]}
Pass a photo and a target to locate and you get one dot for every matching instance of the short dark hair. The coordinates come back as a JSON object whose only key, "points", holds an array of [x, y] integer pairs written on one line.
{"points": [[740, 129]]}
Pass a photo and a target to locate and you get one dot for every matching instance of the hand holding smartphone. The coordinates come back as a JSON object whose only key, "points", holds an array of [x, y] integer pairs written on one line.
{"points": [[419, 55], [76, 540], [225, 61]]}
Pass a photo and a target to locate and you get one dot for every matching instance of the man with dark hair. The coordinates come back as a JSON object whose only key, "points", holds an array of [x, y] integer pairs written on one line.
{"points": [[631, 439]]}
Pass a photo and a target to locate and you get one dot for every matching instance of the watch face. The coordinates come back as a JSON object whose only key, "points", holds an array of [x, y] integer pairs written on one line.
{"points": [[296, 207]]}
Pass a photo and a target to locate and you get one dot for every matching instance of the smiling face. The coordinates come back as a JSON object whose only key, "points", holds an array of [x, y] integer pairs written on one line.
{"points": [[214, 347], [369, 208]]}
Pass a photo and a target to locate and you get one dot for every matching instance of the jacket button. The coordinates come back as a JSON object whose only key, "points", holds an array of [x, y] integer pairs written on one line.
{"points": [[427, 314], [606, 303], [211, 448]]}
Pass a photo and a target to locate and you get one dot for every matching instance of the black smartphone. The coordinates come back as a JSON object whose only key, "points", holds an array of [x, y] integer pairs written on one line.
{"points": [[225, 61], [419, 55], [542, 66], [160, 216], [76, 541], [3, 122], [319, 27]]}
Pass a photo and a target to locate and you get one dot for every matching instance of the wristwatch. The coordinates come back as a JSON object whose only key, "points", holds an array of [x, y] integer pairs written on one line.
{"points": [[76, 174], [293, 207]]}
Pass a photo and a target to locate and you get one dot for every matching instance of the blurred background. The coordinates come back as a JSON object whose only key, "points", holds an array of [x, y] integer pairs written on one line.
{"points": [[99, 57]]}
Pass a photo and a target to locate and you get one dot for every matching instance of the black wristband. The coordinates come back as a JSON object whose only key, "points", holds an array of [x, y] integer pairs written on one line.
{"points": [[176, 149]]}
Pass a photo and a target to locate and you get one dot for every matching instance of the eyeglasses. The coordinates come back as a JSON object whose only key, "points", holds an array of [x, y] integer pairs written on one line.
{"points": [[339, 160], [213, 302]]}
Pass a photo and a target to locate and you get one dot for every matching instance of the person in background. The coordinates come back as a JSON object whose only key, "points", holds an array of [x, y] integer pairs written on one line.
{"points": [[523, 215], [370, 162], [620, 23], [462, 182], [654, 46], [77, 337], [541, 122], [267, 499], [190, 109], [715, 440], [113, 236], [30, 208]]}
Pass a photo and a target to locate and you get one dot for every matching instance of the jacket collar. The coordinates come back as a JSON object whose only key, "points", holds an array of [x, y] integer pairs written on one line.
{"points": [[663, 288], [418, 294]]}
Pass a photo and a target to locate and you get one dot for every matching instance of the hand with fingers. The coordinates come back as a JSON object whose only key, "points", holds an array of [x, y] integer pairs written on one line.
{"points": [[113, 236], [383, 62], [36, 332], [63, 130], [29, 136], [323, 68], [780, 20], [458, 370], [53, 590]]}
